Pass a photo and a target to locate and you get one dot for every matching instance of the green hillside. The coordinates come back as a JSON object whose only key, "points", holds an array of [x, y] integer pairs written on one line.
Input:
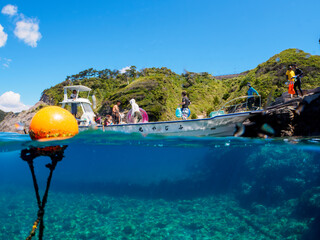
{"points": [[158, 90]]}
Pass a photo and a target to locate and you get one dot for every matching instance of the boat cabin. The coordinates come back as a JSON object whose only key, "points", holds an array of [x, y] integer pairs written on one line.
{"points": [[79, 106]]}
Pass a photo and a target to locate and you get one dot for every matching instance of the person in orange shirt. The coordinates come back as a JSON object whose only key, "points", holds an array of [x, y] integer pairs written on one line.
{"points": [[290, 77]]}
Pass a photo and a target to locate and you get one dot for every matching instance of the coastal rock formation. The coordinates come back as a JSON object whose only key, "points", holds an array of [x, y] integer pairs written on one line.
{"points": [[2, 115], [288, 117], [8, 123], [47, 99]]}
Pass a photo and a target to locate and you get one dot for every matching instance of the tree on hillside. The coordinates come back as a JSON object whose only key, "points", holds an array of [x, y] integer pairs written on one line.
{"points": [[133, 72], [115, 73]]}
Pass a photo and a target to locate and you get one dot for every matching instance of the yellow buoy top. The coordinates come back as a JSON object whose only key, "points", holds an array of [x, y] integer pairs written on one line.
{"points": [[53, 123]]}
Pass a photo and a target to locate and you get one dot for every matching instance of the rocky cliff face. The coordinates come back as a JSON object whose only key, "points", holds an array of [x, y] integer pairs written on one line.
{"points": [[47, 99], [8, 123], [2, 115]]}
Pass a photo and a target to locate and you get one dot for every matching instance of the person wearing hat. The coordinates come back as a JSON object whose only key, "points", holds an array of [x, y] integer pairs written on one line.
{"points": [[250, 93]]}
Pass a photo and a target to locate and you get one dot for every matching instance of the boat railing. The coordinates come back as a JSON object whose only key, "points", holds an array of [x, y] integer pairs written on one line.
{"points": [[240, 104]]}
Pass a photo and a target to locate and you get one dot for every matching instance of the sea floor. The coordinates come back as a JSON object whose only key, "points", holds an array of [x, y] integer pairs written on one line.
{"points": [[97, 217]]}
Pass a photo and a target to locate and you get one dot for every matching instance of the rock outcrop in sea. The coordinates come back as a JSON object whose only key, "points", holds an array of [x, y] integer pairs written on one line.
{"points": [[288, 117]]}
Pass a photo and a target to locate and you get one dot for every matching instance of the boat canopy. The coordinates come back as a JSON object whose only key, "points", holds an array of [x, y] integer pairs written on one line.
{"points": [[79, 88]]}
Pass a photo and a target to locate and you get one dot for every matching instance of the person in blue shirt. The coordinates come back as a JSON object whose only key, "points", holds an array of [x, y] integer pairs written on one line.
{"points": [[250, 93]]}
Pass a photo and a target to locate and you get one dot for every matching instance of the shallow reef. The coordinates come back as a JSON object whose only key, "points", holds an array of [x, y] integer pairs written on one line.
{"points": [[98, 216]]}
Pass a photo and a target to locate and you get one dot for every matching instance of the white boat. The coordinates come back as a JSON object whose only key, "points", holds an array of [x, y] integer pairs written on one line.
{"points": [[224, 122], [82, 104]]}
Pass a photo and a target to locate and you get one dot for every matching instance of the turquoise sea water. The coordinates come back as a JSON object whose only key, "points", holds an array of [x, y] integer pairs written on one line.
{"points": [[119, 186]]}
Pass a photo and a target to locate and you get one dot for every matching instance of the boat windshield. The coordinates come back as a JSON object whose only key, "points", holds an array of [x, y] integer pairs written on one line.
{"points": [[87, 108]]}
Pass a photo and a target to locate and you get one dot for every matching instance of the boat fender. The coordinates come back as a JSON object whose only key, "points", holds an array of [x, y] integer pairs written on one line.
{"points": [[178, 113], [189, 112], [94, 102], [52, 123]]}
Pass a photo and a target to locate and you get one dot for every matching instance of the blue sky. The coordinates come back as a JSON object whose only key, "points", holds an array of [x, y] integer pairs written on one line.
{"points": [[219, 37]]}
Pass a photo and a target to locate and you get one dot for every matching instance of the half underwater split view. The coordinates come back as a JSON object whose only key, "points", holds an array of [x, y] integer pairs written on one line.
{"points": [[101, 185]]}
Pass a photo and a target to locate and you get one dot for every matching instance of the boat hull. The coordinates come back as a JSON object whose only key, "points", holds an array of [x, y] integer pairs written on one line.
{"points": [[219, 126]]}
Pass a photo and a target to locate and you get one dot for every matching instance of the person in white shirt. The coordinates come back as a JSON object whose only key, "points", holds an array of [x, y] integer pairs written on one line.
{"points": [[135, 113]]}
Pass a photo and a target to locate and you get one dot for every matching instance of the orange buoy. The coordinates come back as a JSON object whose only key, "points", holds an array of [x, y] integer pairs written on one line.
{"points": [[52, 123]]}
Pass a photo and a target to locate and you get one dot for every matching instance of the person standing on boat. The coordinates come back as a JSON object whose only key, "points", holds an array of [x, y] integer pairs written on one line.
{"points": [[297, 83], [250, 93], [135, 111], [74, 109], [116, 113], [185, 105]]}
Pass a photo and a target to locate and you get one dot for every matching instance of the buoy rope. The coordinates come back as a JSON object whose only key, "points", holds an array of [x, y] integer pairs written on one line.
{"points": [[29, 155]]}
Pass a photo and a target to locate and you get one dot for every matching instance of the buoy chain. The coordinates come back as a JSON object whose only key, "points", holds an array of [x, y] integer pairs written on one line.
{"points": [[56, 154], [33, 231]]}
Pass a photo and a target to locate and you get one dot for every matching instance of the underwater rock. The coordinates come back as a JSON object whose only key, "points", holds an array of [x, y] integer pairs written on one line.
{"points": [[313, 231], [193, 226], [128, 230], [293, 229], [161, 225], [309, 203], [272, 175], [258, 209], [185, 209], [100, 207]]}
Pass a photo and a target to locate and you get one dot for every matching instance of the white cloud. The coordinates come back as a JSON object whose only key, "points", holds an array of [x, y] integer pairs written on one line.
{"points": [[9, 10], [3, 37], [10, 102], [28, 31], [123, 70]]}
